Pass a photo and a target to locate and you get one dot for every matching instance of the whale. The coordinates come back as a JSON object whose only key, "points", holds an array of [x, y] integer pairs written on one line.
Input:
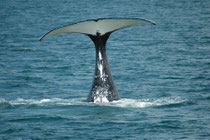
{"points": [[99, 30]]}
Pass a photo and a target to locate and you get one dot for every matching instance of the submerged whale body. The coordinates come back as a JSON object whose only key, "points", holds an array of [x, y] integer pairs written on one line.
{"points": [[103, 87]]}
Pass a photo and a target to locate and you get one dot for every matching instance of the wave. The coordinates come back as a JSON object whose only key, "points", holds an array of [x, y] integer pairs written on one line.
{"points": [[124, 103]]}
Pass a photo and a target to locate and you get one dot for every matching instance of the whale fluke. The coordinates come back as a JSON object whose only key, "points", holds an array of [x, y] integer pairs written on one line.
{"points": [[103, 87], [101, 26]]}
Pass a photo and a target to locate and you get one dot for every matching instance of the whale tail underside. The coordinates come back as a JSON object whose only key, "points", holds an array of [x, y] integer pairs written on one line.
{"points": [[98, 26]]}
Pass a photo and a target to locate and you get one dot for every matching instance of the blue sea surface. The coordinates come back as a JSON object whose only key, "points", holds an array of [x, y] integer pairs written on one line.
{"points": [[162, 72]]}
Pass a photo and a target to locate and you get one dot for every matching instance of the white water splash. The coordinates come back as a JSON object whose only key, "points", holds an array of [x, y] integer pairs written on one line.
{"points": [[100, 99], [42, 102], [142, 103], [124, 103]]}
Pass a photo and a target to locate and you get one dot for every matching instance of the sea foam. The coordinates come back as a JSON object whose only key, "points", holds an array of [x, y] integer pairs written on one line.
{"points": [[124, 102]]}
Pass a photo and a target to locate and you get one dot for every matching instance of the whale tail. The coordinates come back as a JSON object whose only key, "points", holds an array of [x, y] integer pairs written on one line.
{"points": [[98, 26], [103, 87]]}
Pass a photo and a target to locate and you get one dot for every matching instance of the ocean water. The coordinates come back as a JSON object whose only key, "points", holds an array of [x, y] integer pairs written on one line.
{"points": [[162, 72]]}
